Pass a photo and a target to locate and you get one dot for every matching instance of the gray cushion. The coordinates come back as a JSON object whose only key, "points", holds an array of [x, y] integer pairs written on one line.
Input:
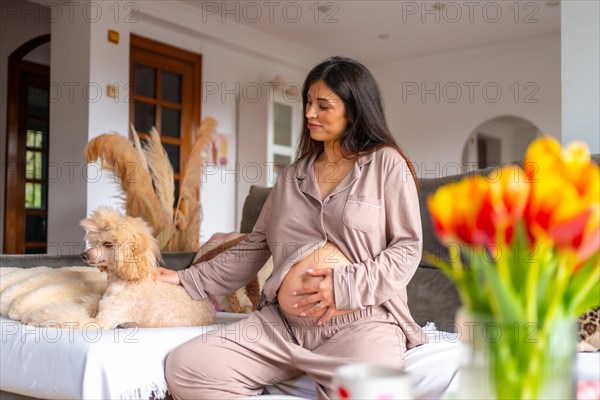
{"points": [[177, 260], [432, 297], [252, 207]]}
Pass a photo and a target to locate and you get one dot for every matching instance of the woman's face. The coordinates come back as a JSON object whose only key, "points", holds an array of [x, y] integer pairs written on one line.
{"points": [[325, 114]]}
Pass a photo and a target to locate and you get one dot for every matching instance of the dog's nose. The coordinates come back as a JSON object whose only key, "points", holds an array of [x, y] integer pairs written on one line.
{"points": [[84, 256]]}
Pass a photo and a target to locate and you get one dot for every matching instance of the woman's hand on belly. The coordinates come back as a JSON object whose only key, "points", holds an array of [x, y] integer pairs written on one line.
{"points": [[319, 295], [311, 294]]}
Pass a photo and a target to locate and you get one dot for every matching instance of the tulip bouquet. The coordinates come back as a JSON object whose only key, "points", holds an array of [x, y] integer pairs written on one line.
{"points": [[530, 240]]}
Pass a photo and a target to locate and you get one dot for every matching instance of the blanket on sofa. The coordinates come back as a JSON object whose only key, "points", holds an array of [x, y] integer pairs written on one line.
{"points": [[38, 294]]}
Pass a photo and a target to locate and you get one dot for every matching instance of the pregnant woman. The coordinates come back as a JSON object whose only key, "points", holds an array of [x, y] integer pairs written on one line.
{"points": [[344, 229]]}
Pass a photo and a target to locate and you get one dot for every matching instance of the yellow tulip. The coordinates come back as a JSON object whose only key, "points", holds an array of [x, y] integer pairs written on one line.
{"points": [[473, 210], [557, 195], [460, 212], [509, 199], [565, 196]]}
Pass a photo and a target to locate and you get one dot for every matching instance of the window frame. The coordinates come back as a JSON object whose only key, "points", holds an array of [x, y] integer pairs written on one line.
{"points": [[172, 59]]}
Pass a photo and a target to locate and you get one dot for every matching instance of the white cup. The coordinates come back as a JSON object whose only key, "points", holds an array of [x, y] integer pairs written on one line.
{"points": [[365, 381]]}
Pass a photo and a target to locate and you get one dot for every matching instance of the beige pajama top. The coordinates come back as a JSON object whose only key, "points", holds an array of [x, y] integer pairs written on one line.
{"points": [[372, 216]]}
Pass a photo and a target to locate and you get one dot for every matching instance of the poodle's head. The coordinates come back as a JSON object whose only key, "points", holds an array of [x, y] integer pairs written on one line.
{"points": [[120, 244]]}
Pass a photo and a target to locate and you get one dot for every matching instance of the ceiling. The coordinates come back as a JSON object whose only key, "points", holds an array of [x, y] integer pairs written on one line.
{"points": [[410, 29]]}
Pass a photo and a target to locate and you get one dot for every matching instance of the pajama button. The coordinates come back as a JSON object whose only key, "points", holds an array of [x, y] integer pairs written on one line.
{"points": [[327, 199]]}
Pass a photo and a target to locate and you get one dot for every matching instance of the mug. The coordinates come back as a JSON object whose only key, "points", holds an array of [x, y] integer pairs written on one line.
{"points": [[365, 381]]}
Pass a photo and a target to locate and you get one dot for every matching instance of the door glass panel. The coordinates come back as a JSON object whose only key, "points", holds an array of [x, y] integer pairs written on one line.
{"points": [[171, 87], [35, 165], [144, 116], [283, 124], [35, 195], [35, 228], [37, 101], [37, 133], [173, 153], [170, 121], [145, 81]]}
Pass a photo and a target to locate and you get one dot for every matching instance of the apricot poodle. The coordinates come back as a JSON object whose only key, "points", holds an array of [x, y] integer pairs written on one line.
{"points": [[125, 248]]}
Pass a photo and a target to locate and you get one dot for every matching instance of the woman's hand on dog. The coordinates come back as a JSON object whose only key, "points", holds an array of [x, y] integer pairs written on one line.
{"points": [[166, 275]]}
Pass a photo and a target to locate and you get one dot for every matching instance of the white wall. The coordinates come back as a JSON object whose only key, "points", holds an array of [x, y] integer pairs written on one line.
{"points": [[432, 110], [15, 14], [109, 64], [84, 60], [580, 34]]}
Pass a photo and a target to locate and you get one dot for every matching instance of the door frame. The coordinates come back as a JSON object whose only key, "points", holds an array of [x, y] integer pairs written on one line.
{"points": [[14, 195]]}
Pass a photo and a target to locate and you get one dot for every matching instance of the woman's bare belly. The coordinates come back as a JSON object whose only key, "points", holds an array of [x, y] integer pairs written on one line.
{"points": [[328, 256]]}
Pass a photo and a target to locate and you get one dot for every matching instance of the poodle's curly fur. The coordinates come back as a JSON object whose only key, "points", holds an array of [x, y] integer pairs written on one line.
{"points": [[125, 248]]}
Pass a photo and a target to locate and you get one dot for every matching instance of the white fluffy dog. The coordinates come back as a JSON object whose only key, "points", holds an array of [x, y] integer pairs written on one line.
{"points": [[125, 248]]}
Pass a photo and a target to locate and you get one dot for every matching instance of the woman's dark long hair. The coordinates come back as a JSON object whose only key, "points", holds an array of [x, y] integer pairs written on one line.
{"points": [[367, 129]]}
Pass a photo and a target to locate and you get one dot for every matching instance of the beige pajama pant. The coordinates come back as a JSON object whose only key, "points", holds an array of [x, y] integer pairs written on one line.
{"points": [[268, 347]]}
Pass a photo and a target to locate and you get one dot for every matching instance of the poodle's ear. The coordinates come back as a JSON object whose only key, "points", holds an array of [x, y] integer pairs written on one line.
{"points": [[138, 254], [102, 218], [88, 224], [130, 262]]}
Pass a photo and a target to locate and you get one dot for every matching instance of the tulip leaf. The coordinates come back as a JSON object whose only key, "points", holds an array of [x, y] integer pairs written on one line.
{"points": [[473, 279], [520, 257], [590, 300], [503, 299], [584, 288], [546, 282]]}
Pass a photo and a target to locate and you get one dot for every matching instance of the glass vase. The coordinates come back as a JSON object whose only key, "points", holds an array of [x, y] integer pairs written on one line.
{"points": [[517, 360]]}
